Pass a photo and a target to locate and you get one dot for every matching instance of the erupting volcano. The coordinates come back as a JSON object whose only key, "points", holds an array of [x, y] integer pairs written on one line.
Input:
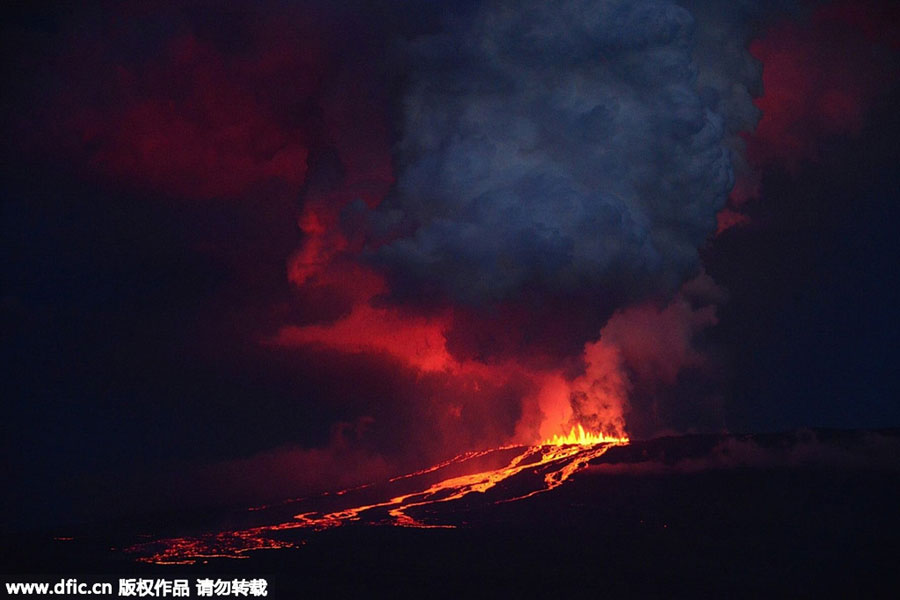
{"points": [[525, 472], [551, 292]]}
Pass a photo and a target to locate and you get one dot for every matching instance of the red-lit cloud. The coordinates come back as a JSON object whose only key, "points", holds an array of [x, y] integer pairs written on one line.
{"points": [[193, 122], [820, 76], [193, 112], [657, 343], [418, 341], [204, 111]]}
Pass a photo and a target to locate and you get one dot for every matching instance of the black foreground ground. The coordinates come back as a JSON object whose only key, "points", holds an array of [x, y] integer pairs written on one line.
{"points": [[808, 514]]}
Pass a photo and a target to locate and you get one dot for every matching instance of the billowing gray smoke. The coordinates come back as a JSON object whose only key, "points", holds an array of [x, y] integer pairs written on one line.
{"points": [[562, 148]]}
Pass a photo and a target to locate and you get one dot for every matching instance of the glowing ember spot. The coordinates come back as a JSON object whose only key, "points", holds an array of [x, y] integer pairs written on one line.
{"points": [[577, 435], [536, 469], [227, 544]]}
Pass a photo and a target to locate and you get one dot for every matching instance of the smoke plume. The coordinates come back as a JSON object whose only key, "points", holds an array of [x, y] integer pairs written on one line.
{"points": [[560, 150]]}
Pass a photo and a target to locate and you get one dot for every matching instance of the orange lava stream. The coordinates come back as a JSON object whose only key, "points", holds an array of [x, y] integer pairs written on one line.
{"points": [[557, 459], [456, 459]]}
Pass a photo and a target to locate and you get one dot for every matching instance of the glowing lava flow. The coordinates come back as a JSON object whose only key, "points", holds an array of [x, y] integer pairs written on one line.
{"points": [[541, 467]]}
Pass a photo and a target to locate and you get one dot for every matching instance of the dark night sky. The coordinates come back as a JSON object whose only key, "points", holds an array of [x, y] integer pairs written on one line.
{"points": [[237, 264]]}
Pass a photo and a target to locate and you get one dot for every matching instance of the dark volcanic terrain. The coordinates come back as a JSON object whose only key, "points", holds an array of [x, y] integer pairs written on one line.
{"points": [[810, 513]]}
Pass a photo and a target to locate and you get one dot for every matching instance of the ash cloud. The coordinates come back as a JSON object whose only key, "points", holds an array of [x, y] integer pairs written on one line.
{"points": [[563, 150]]}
